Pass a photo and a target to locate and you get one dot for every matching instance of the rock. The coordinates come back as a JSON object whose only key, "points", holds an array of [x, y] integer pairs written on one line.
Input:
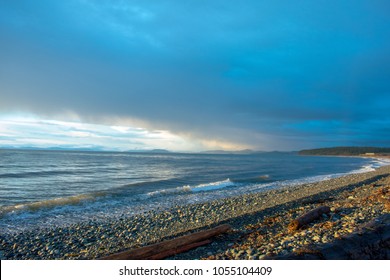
{"points": [[249, 251], [285, 244]]}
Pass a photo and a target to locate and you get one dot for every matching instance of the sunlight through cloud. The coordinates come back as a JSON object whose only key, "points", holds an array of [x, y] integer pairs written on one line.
{"points": [[23, 131]]}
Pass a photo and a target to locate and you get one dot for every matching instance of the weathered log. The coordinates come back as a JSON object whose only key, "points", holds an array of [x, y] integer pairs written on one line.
{"points": [[162, 248], [308, 218], [179, 250]]}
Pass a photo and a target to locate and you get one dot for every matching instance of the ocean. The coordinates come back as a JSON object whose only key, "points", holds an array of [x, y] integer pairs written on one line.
{"points": [[40, 189]]}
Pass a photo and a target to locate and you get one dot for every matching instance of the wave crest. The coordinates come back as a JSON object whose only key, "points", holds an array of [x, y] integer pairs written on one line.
{"points": [[198, 188], [50, 203]]}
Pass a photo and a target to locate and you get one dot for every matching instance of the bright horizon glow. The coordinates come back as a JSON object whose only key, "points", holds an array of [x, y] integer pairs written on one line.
{"points": [[29, 131]]}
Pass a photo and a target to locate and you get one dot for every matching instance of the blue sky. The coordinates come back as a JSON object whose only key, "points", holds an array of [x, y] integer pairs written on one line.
{"points": [[194, 75]]}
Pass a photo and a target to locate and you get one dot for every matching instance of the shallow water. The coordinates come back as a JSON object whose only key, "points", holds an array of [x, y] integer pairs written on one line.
{"points": [[49, 188]]}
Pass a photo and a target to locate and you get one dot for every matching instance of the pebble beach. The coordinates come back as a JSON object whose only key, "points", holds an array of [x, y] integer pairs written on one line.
{"points": [[259, 223]]}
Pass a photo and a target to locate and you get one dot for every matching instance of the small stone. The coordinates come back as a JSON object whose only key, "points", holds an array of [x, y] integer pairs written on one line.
{"points": [[285, 244], [316, 238], [240, 253]]}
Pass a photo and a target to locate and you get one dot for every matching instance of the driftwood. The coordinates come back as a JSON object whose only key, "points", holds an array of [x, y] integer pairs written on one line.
{"points": [[308, 218], [170, 247], [179, 250]]}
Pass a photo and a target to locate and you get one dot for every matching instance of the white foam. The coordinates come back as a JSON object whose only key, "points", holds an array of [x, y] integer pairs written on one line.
{"points": [[363, 169], [382, 161], [212, 186], [197, 188], [372, 166], [61, 201]]}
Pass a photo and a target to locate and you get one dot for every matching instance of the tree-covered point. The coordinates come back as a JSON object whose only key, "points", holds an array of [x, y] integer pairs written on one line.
{"points": [[346, 151]]}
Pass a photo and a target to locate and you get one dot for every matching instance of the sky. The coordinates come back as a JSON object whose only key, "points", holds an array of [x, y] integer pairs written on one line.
{"points": [[194, 75]]}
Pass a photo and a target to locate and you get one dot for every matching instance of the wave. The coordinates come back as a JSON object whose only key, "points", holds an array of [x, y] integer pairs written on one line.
{"points": [[111, 196], [198, 188], [50, 203], [41, 173], [372, 166]]}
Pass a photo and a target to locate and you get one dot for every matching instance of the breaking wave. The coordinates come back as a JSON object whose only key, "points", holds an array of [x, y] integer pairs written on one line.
{"points": [[197, 188], [50, 203]]}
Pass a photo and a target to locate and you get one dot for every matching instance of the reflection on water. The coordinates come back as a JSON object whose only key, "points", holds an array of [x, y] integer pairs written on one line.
{"points": [[48, 188]]}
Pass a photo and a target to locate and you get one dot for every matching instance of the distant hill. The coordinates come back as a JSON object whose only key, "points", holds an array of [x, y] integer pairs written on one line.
{"points": [[346, 151], [158, 151], [58, 149], [246, 151], [154, 151]]}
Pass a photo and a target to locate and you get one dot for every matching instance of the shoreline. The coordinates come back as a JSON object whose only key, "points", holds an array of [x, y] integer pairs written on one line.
{"points": [[95, 239]]}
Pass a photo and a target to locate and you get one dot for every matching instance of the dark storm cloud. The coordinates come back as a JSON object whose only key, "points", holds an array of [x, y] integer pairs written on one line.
{"points": [[271, 74]]}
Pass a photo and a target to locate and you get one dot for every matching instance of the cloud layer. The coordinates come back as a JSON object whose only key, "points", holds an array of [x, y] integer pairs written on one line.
{"points": [[31, 132], [262, 74]]}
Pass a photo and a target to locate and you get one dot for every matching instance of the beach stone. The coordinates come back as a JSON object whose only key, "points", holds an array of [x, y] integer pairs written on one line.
{"points": [[241, 252], [285, 244], [249, 251]]}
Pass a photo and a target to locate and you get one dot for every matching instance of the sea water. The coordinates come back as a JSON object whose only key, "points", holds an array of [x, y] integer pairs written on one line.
{"points": [[55, 188]]}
